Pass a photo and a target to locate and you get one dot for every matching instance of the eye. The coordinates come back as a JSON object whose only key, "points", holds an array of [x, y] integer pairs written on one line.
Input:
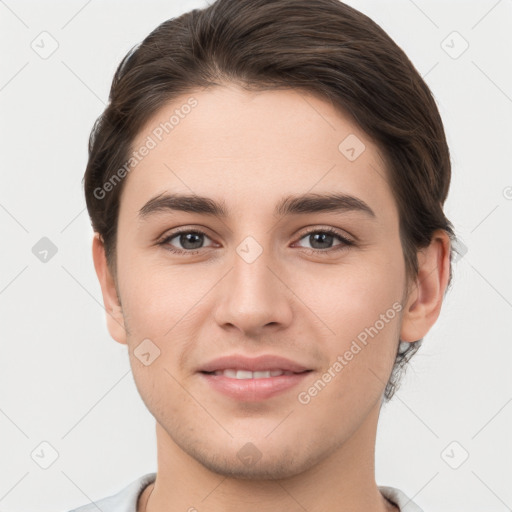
{"points": [[321, 240], [190, 240]]}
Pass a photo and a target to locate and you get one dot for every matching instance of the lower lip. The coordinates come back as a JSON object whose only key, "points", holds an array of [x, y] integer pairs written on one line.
{"points": [[252, 390]]}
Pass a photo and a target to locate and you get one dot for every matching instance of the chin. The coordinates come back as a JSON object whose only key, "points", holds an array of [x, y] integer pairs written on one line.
{"points": [[273, 469], [251, 463]]}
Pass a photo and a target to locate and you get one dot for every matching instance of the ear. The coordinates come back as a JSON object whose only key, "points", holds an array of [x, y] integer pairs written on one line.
{"points": [[426, 294], [115, 318]]}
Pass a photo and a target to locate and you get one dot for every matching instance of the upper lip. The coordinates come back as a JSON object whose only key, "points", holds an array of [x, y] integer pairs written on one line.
{"points": [[253, 364]]}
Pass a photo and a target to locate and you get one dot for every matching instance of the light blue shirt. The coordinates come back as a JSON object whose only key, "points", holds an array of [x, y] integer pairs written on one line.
{"points": [[126, 499]]}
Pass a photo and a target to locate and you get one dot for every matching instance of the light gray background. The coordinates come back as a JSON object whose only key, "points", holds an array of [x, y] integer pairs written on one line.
{"points": [[64, 381]]}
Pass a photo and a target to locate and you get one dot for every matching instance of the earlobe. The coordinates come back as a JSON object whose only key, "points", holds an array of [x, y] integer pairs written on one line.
{"points": [[425, 299], [113, 309]]}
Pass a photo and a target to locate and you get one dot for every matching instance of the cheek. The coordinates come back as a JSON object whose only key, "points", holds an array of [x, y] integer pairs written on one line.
{"points": [[350, 298], [361, 305], [361, 354], [155, 296]]}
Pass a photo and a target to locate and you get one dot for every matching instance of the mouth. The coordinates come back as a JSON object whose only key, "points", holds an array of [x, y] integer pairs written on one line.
{"points": [[252, 379]]}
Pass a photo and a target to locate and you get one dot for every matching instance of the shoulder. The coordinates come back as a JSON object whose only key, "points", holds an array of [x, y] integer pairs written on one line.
{"points": [[400, 499], [124, 500]]}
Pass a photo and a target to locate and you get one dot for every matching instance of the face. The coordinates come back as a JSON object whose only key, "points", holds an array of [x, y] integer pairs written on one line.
{"points": [[311, 287]]}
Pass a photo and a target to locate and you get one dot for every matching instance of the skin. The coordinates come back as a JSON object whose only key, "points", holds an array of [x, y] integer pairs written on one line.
{"points": [[249, 149]]}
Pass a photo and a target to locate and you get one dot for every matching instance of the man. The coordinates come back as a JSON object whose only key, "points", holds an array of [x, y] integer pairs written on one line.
{"points": [[266, 189]]}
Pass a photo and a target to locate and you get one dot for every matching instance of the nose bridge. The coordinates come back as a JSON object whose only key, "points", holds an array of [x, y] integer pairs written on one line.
{"points": [[252, 295], [251, 274]]}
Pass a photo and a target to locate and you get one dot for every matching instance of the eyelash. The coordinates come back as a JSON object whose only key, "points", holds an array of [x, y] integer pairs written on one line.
{"points": [[345, 241]]}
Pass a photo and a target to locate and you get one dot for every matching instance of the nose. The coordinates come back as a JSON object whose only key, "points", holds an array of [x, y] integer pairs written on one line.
{"points": [[254, 297]]}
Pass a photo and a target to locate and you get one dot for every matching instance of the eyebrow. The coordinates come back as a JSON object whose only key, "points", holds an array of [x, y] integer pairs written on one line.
{"points": [[290, 205]]}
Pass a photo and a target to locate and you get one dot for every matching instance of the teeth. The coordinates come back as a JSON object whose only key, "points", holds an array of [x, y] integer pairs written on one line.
{"points": [[261, 375], [245, 374]]}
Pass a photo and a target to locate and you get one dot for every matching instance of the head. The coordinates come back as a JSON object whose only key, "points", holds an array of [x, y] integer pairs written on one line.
{"points": [[246, 103]]}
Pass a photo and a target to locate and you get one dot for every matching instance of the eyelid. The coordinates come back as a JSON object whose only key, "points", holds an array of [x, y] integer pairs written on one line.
{"points": [[328, 229]]}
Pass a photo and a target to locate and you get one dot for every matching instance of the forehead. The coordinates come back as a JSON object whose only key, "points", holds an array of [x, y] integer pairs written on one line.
{"points": [[253, 147]]}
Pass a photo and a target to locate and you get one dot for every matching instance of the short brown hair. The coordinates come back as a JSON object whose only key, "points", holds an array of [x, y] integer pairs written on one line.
{"points": [[320, 46]]}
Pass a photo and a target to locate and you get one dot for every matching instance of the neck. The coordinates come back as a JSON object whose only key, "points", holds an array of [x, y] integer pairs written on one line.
{"points": [[343, 480]]}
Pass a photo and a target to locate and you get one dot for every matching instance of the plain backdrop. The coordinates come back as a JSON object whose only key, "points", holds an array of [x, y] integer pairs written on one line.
{"points": [[445, 437]]}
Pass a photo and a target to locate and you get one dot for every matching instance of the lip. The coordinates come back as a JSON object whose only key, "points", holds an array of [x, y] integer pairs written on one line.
{"points": [[253, 364], [253, 390], [258, 389]]}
